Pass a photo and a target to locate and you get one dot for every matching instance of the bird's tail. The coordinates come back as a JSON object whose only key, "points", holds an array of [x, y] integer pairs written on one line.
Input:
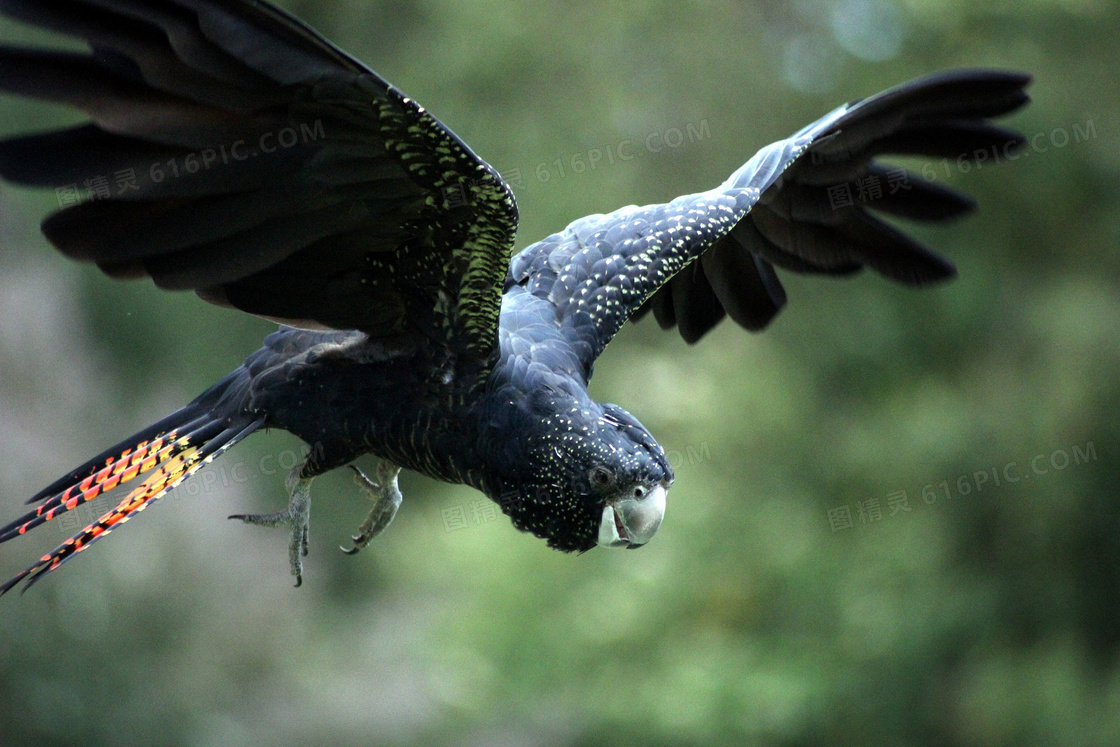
{"points": [[165, 454]]}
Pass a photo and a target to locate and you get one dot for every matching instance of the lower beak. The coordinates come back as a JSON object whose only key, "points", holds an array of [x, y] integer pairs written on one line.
{"points": [[632, 522]]}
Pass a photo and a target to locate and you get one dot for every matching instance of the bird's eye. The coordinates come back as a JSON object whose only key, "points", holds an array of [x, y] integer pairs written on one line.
{"points": [[639, 492], [600, 477]]}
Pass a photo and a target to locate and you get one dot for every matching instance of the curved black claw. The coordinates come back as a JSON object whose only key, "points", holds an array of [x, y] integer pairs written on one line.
{"points": [[297, 515], [386, 497]]}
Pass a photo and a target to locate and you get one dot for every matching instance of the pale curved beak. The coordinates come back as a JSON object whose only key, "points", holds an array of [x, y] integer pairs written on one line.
{"points": [[632, 522]]}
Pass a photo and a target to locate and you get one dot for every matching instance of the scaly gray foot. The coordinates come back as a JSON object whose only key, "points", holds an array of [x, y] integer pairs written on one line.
{"points": [[297, 515], [386, 497]]}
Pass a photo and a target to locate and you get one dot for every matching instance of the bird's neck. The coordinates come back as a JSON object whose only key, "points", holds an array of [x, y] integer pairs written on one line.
{"points": [[517, 418]]}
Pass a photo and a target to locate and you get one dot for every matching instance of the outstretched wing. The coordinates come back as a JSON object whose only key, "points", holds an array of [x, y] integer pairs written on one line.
{"points": [[801, 204], [234, 152]]}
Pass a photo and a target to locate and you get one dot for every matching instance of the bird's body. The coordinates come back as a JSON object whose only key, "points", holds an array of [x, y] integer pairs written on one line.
{"points": [[345, 395], [334, 204]]}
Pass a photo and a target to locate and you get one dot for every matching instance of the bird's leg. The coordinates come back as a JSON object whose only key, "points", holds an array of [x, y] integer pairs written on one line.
{"points": [[386, 497], [297, 514]]}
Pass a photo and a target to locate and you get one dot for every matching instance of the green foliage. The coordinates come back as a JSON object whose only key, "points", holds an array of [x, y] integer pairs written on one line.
{"points": [[976, 613]]}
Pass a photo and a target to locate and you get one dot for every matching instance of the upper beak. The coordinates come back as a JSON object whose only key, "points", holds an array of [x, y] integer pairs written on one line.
{"points": [[632, 522]]}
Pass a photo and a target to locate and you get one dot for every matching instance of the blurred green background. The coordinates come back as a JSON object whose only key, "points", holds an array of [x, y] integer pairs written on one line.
{"points": [[896, 517]]}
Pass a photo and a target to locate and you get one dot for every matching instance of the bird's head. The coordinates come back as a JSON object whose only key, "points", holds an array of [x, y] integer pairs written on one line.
{"points": [[595, 477]]}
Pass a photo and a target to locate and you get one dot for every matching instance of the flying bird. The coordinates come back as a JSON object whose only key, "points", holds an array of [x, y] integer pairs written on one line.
{"points": [[232, 151]]}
